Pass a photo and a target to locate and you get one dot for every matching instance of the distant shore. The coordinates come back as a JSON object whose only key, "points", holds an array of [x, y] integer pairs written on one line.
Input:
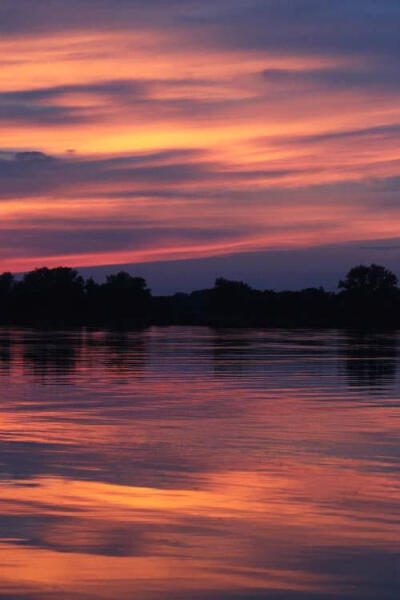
{"points": [[368, 297]]}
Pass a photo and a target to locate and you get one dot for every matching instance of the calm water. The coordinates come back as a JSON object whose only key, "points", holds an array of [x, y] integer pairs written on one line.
{"points": [[189, 464]]}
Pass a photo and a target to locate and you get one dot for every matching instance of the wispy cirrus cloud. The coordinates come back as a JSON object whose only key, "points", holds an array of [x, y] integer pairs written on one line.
{"points": [[274, 122]]}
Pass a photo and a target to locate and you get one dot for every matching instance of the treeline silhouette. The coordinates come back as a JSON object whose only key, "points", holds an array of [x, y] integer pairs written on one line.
{"points": [[368, 296]]}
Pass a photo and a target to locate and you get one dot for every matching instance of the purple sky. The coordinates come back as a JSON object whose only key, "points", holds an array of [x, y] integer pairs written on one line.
{"points": [[248, 138]]}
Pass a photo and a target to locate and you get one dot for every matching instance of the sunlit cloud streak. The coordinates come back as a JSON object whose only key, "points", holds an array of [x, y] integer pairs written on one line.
{"points": [[187, 129]]}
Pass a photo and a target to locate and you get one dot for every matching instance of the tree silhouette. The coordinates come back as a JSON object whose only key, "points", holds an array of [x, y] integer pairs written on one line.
{"points": [[231, 301], [126, 297], [50, 293], [124, 281], [374, 278], [368, 298], [6, 283]]}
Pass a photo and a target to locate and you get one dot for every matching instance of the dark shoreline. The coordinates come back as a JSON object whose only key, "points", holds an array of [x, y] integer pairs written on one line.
{"points": [[367, 299]]}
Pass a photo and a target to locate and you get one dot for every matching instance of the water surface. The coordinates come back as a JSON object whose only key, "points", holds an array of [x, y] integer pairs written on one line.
{"points": [[192, 464]]}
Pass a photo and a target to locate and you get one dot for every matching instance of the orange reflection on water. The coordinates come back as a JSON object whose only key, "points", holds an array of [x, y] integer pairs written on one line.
{"points": [[186, 463]]}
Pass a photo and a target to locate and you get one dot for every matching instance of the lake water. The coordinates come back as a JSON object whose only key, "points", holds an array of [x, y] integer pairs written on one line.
{"points": [[193, 464]]}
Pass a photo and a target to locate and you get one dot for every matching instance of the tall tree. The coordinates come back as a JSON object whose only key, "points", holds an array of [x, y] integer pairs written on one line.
{"points": [[373, 278]]}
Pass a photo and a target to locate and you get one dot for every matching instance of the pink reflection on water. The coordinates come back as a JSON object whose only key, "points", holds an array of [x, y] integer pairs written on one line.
{"points": [[181, 464]]}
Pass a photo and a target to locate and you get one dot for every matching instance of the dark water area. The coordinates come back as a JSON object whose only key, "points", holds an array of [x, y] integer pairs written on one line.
{"points": [[194, 464]]}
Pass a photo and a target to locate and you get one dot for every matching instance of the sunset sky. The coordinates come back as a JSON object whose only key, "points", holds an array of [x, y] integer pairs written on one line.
{"points": [[259, 132]]}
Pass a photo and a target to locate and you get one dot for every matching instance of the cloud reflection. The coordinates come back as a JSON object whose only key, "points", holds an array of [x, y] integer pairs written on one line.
{"points": [[188, 463]]}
